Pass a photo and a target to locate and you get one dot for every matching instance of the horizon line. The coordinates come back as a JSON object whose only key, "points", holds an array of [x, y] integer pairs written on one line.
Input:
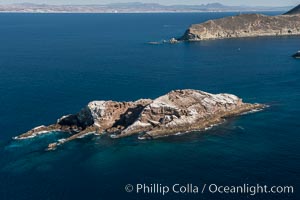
{"points": [[137, 2]]}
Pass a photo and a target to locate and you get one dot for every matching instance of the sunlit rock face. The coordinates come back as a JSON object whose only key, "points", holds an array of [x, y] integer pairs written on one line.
{"points": [[245, 25]]}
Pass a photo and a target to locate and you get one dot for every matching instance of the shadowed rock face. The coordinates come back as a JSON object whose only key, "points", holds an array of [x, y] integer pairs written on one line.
{"points": [[177, 111], [246, 25], [294, 11]]}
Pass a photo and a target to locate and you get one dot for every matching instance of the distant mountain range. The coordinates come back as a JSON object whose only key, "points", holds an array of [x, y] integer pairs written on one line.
{"points": [[135, 7]]}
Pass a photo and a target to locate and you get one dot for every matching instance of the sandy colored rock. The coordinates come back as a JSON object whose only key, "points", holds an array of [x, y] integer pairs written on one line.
{"points": [[245, 25]]}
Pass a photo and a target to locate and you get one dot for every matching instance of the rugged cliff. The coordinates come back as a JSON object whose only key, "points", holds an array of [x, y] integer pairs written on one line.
{"points": [[177, 111], [245, 25]]}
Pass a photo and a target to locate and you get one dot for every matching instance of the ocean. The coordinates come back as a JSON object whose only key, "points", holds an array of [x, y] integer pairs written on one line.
{"points": [[54, 64]]}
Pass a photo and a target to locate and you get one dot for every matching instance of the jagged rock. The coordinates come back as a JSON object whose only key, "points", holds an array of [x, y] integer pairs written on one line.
{"points": [[185, 110], [177, 111], [173, 41], [245, 25]]}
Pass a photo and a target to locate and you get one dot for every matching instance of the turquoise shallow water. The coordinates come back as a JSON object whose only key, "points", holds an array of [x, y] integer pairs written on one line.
{"points": [[54, 64]]}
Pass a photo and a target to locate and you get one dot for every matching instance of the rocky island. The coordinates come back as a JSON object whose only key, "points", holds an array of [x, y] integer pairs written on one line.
{"points": [[246, 25], [175, 112]]}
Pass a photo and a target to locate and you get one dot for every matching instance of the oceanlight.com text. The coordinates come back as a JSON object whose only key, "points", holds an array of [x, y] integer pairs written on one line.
{"points": [[247, 189]]}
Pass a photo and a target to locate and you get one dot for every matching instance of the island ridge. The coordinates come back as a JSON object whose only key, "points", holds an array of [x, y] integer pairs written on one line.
{"points": [[245, 25]]}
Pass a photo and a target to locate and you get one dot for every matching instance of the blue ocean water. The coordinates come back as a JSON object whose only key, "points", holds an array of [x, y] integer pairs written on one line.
{"points": [[54, 64]]}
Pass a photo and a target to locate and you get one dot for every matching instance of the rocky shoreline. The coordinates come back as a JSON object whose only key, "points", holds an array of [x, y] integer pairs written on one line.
{"points": [[175, 112], [245, 25]]}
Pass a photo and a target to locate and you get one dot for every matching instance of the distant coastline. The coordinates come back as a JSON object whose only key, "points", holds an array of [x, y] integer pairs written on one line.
{"points": [[246, 25], [131, 8]]}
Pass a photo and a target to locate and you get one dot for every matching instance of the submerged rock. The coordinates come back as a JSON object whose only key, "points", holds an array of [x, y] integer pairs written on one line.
{"points": [[245, 25], [177, 111]]}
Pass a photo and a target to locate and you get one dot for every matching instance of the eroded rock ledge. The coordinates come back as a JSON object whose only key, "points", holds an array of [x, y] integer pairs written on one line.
{"points": [[245, 25], [177, 111]]}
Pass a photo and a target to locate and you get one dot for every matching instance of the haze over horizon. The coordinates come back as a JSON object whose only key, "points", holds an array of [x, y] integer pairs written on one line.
{"points": [[269, 3]]}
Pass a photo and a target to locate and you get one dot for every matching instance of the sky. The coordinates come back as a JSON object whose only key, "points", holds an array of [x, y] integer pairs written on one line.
{"points": [[164, 2]]}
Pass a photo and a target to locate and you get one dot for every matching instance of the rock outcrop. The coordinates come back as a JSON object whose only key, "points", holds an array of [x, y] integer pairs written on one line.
{"points": [[297, 55], [245, 25], [177, 111]]}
